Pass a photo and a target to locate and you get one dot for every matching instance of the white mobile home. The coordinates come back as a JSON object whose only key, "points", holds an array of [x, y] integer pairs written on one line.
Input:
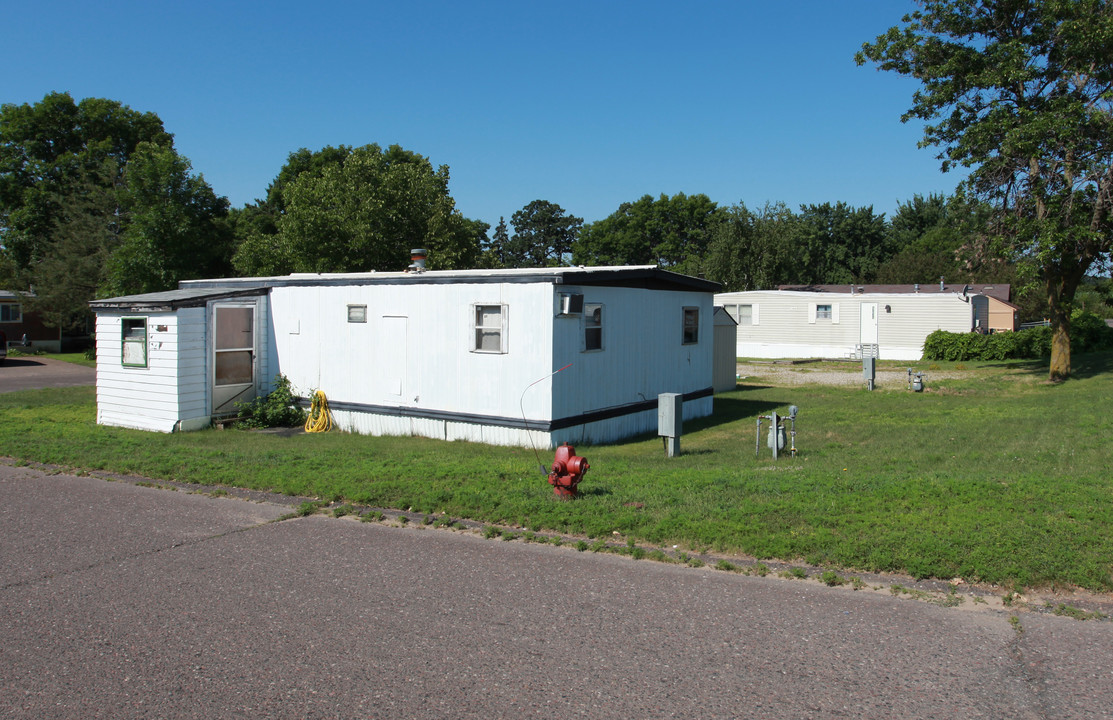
{"points": [[508, 357], [797, 324]]}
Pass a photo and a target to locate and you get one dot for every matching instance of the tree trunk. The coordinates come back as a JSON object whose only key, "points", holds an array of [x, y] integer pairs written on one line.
{"points": [[1060, 338]]}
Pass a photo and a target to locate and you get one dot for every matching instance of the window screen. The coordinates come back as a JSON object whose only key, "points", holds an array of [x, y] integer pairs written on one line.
{"points": [[133, 334], [593, 327], [490, 328], [691, 325]]}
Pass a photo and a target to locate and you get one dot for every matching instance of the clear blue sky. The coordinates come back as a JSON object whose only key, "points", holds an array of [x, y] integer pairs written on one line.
{"points": [[585, 104]]}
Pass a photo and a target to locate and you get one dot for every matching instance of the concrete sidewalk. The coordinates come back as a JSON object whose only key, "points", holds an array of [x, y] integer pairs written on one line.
{"points": [[121, 601]]}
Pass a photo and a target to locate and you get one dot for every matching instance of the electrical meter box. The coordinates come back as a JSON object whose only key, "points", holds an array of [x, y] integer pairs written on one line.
{"points": [[670, 414]]}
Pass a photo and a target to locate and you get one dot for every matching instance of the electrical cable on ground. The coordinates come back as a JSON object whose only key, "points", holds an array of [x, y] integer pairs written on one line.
{"points": [[320, 419]]}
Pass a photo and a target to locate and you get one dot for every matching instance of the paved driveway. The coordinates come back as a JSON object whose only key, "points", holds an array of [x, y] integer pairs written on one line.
{"points": [[121, 601], [30, 372]]}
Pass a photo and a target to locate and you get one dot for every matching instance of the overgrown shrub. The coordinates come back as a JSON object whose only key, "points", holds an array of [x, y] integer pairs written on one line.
{"points": [[1088, 332], [278, 408]]}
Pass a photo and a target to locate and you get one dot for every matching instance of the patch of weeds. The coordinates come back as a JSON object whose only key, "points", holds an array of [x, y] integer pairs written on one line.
{"points": [[660, 556], [581, 546], [490, 532], [795, 573], [403, 519], [145, 483], [1015, 622], [1009, 598], [556, 540], [1064, 610], [529, 536], [508, 536], [759, 569], [279, 408], [694, 562], [219, 492], [342, 510], [857, 583], [599, 545], [372, 516], [832, 578], [445, 522], [303, 510], [979, 600], [427, 520], [951, 599], [910, 592], [637, 553], [727, 566]]}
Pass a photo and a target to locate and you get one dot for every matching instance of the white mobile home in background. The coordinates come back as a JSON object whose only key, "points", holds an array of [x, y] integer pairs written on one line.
{"points": [[469, 354], [800, 324]]}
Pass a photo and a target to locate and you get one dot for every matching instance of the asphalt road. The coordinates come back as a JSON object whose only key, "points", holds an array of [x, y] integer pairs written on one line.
{"points": [[29, 372], [122, 601]]}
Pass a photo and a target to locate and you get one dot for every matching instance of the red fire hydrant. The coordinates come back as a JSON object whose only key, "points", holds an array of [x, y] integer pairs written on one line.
{"points": [[567, 471]]}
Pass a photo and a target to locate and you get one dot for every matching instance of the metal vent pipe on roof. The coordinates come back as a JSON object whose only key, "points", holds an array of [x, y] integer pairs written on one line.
{"points": [[417, 260]]}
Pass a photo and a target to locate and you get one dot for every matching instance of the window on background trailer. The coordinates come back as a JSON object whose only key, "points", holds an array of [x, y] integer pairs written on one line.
{"points": [[133, 334], [593, 327], [822, 312], [490, 328], [691, 325], [10, 312]]}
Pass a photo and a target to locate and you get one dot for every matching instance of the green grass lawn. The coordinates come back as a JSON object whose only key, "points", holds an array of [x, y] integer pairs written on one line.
{"points": [[997, 477]]}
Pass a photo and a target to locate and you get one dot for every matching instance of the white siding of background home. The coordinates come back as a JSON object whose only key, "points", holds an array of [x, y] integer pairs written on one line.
{"points": [[789, 327]]}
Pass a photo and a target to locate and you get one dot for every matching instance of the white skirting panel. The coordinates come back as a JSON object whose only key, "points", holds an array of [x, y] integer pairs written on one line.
{"points": [[596, 433]]}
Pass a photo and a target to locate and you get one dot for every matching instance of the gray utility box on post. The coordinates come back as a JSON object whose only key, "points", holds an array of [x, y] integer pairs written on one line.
{"points": [[670, 419], [869, 371]]}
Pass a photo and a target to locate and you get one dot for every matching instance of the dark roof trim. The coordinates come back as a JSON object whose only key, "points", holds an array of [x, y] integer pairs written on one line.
{"points": [[174, 299], [650, 278]]}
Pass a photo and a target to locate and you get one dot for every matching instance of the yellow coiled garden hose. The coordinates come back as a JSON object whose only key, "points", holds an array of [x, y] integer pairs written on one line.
{"points": [[320, 419]]}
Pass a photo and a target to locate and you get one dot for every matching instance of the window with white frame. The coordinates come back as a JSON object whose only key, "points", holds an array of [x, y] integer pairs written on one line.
{"points": [[691, 325], [133, 334], [593, 327], [10, 313], [822, 312], [490, 328], [742, 314]]}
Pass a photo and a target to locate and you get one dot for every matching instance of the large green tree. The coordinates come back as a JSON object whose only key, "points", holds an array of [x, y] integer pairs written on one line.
{"points": [[95, 200], [754, 250], [543, 236], [174, 226], [840, 244], [54, 149], [1021, 93], [357, 209], [672, 232]]}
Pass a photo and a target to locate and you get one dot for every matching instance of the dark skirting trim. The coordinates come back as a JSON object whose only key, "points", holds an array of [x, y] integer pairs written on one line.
{"points": [[509, 422]]}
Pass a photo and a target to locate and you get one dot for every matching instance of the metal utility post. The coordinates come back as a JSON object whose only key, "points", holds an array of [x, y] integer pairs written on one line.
{"points": [[670, 419], [869, 371]]}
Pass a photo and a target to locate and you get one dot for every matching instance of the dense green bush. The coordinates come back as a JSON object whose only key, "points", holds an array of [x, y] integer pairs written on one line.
{"points": [[1088, 332], [279, 408]]}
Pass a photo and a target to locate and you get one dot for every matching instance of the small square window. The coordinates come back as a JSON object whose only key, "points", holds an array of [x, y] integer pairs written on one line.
{"points": [[822, 312], [133, 334], [490, 329], [691, 325], [593, 327], [357, 313]]}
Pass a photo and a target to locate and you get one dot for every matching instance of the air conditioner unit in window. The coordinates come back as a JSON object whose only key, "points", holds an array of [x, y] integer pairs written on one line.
{"points": [[571, 303]]}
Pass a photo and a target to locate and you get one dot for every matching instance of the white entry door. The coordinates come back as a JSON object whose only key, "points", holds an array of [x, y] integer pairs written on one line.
{"points": [[869, 323], [233, 356]]}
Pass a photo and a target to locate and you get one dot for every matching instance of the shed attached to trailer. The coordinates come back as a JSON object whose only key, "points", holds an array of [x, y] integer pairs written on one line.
{"points": [[507, 357]]}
